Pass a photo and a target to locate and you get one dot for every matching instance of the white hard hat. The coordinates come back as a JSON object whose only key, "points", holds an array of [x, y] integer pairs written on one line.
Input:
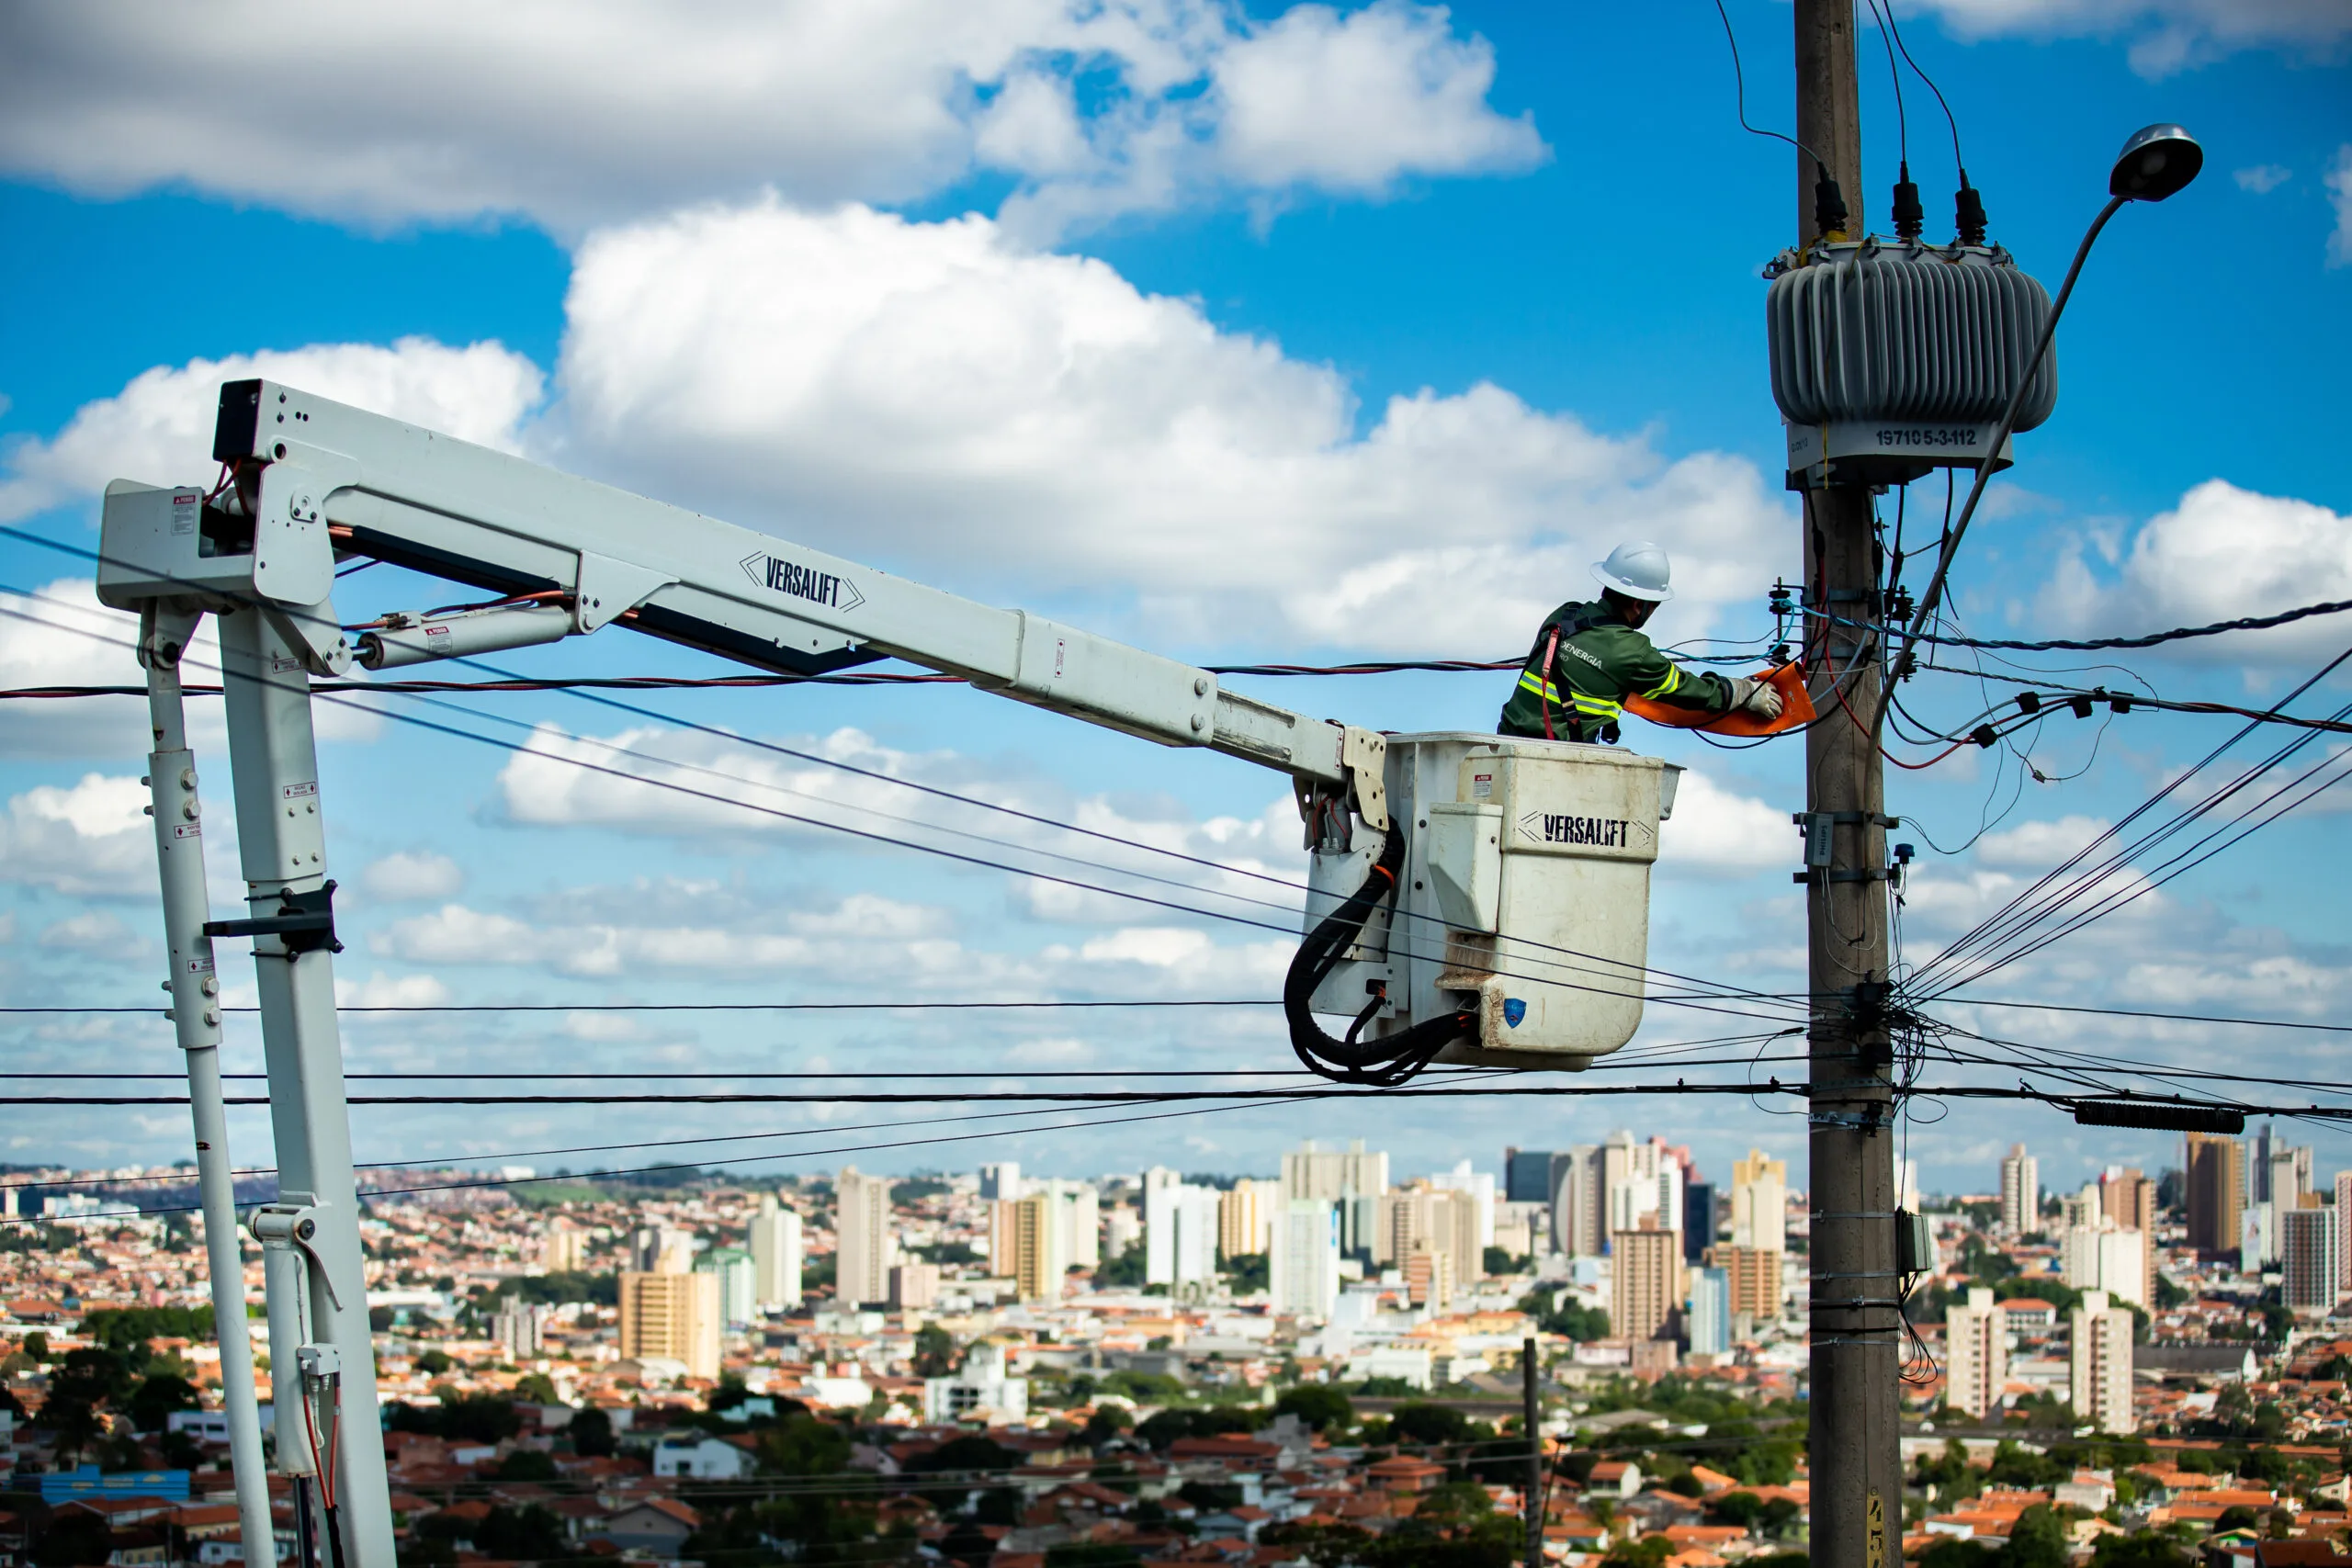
{"points": [[1636, 568]]}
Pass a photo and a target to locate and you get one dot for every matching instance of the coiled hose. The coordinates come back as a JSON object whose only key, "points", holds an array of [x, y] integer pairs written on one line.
{"points": [[1385, 1063]]}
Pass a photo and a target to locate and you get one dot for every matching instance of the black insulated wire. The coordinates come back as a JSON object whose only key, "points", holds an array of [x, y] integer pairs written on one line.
{"points": [[1394, 1058]]}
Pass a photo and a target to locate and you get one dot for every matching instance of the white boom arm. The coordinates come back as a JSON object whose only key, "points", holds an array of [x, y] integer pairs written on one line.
{"points": [[322, 478], [1508, 926]]}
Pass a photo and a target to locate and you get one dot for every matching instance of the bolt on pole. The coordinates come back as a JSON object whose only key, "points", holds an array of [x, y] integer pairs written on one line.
{"points": [[1853, 1440]]}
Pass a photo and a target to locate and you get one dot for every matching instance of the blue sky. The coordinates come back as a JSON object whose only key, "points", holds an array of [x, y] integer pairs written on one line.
{"points": [[1291, 333]]}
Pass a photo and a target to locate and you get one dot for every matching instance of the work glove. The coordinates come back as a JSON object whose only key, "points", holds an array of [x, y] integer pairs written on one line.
{"points": [[1759, 697]]}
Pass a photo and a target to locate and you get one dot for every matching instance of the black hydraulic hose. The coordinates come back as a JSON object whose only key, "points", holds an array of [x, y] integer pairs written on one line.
{"points": [[1382, 1063]]}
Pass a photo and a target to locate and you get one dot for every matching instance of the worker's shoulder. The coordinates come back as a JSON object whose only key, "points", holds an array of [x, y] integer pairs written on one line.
{"points": [[1608, 631]]}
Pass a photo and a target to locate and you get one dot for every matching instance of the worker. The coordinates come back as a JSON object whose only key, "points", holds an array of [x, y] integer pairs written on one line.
{"points": [[1589, 657]]}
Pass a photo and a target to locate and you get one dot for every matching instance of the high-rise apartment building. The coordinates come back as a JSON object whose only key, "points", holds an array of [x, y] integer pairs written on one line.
{"points": [[865, 1239], [1180, 1235], [1429, 1277], [2100, 1257], [1527, 1175], [1080, 1208], [2311, 1259], [731, 1266], [519, 1329], [567, 1247], [2279, 1172], [2216, 1180], [1708, 1323], [2129, 1200], [2344, 1231], [1579, 1218], [1423, 1216], [1245, 1217], [1001, 1182], [2020, 1192], [913, 1286], [2099, 1362], [1326, 1175], [1479, 1187], [1304, 1264], [658, 1249], [1976, 1350], [1034, 1235], [777, 1254], [674, 1316], [1645, 1282], [1698, 1220], [1752, 1276], [1652, 1193], [1759, 1202]]}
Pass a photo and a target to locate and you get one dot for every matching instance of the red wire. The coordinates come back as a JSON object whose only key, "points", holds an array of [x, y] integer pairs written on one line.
{"points": [[326, 1479], [1838, 690]]}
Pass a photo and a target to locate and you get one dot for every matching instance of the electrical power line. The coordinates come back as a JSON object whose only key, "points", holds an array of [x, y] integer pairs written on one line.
{"points": [[438, 1008], [1706, 987]]}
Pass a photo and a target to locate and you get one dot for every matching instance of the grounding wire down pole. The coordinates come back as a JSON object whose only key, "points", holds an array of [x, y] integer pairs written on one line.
{"points": [[195, 1018], [1853, 1440], [314, 1223]]}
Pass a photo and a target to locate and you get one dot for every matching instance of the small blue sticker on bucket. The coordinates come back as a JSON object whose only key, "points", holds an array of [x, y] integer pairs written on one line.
{"points": [[1513, 1010]]}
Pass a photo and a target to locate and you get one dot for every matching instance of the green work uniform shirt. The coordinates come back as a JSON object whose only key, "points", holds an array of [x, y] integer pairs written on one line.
{"points": [[1599, 663]]}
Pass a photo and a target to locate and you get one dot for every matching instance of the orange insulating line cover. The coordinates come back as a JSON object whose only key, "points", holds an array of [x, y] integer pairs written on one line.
{"points": [[1796, 708]]}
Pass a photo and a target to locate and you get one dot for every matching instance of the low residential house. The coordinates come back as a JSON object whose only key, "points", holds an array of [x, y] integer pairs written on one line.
{"points": [[122, 1513], [1658, 1509], [2092, 1489], [1615, 1478], [2236, 1362], [1719, 1539], [582, 1517], [2031, 1314], [140, 1545], [658, 1525], [699, 1456], [1234, 1453], [1404, 1474]]}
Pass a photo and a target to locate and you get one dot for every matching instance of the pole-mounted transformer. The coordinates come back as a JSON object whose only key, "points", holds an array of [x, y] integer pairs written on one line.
{"points": [[1891, 359]]}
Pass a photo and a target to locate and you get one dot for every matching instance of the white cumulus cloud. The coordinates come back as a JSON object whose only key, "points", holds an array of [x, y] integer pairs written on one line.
{"points": [[412, 877], [2262, 178], [1716, 833], [967, 408], [2223, 552], [574, 112], [99, 933], [91, 838], [2163, 36], [389, 991], [2037, 847], [158, 429]]}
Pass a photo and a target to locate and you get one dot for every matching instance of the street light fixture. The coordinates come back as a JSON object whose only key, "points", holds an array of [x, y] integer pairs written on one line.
{"points": [[2157, 161]]}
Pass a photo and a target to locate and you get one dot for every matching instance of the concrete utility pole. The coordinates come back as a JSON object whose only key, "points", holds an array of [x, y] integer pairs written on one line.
{"points": [[1530, 1369], [1853, 1440]]}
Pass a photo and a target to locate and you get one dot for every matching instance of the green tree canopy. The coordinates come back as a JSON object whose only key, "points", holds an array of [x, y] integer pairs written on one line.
{"points": [[1319, 1405]]}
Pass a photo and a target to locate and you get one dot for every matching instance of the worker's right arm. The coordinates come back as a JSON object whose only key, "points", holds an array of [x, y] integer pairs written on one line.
{"points": [[1646, 672]]}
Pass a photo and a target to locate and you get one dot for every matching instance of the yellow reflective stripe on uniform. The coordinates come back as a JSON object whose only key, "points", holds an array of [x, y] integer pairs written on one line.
{"points": [[1673, 681], [1528, 681], [1598, 708]]}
